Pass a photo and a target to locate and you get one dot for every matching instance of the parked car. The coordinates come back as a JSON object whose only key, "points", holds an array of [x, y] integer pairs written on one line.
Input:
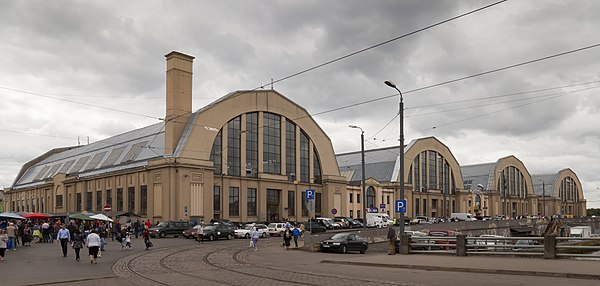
{"points": [[419, 220], [313, 227], [344, 242], [191, 232], [174, 228], [328, 223], [342, 221], [445, 236], [354, 223], [245, 232], [218, 230], [527, 245], [276, 228]]}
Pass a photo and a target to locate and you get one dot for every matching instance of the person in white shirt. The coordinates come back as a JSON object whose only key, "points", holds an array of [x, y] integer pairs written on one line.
{"points": [[93, 244]]}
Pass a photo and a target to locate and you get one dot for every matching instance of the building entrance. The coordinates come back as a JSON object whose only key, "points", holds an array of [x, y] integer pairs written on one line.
{"points": [[273, 204]]}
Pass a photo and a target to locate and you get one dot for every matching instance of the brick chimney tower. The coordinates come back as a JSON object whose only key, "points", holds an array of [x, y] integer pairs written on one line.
{"points": [[179, 97]]}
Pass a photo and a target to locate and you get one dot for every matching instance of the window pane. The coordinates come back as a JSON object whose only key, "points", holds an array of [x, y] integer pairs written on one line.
{"points": [[252, 144], [234, 147], [271, 143], [234, 201]]}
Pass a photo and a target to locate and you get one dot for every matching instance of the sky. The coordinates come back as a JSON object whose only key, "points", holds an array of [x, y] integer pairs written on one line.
{"points": [[73, 71]]}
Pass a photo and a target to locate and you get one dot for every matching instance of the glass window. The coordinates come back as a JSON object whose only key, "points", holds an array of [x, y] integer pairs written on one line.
{"points": [[424, 169], [234, 201], [109, 197], [417, 168], [290, 150], [99, 201], [251, 202], [216, 198], [78, 202], [318, 202], [143, 200], [432, 183], [271, 143], [304, 163], [216, 154], [316, 166], [358, 198], [88, 200], [351, 196], [234, 139], [119, 199], [370, 197], [291, 203], [131, 199], [252, 144], [304, 210]]}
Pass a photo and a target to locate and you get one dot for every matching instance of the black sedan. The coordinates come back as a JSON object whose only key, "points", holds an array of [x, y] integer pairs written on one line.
{"points": [[344, 242], [216, 231], [313, 227]]}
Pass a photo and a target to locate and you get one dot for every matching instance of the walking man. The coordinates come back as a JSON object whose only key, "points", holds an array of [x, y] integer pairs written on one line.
{"points": [[64, 235], [11, 233], [391, 236]]}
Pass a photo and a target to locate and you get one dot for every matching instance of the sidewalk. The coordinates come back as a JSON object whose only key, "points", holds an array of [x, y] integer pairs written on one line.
{"points": [[560, 268]]}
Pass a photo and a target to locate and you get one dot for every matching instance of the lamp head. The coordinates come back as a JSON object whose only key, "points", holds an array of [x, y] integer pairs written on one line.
{"points": [[390, 84]]}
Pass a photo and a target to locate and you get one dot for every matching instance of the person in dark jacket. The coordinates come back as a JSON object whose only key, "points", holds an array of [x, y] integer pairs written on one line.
{"points": [[77, 243], [391, 236], [287, 237]]}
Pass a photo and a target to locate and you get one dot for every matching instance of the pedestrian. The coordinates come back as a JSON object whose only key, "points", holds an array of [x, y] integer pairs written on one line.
{"points": [[296, 234], [128, 241], [3, 243], [391, 236], [146, 235], [77, 243], [26, 235], [93, 244], [287, 237], [64, 236], [200, 233], [254, 234], [11, 233]]}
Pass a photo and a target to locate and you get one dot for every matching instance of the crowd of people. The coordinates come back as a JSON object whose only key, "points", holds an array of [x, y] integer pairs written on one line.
{"points": [[75, 234]]}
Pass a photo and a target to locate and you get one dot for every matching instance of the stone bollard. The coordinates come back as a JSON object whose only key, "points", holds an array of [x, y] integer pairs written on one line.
{"points": [[405, 244], [461, 245], [550, 246]]}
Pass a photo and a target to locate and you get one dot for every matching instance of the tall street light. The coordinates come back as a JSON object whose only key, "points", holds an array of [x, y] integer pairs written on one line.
{"points": [[543, 197], [362, 184], [401, 111]]}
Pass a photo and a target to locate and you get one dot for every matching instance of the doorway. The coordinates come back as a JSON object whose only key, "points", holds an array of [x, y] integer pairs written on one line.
{"points": [[273, 204]]}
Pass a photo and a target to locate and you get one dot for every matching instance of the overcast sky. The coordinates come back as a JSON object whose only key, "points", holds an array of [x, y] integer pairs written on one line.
{"points": [[55, 55]]}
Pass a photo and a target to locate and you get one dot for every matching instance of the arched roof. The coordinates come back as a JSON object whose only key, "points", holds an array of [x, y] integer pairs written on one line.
{"points": [[201, 130], [417, 146]]}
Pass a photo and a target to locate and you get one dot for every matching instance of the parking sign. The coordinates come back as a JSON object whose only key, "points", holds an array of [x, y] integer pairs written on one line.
{"points": [[310, 194], [400, 206]]}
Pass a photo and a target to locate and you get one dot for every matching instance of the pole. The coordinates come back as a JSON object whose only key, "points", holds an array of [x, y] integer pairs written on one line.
{"points": [[364, 195], [543, 199]]}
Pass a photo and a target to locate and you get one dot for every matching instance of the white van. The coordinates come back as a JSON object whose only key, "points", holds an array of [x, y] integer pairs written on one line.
{"points": [[378, 220], [581, 231], [463, 216]]}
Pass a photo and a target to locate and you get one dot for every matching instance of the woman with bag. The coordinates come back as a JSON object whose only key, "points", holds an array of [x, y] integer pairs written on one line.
{"points": [[254, 234], [77, 243], [146, 235]]}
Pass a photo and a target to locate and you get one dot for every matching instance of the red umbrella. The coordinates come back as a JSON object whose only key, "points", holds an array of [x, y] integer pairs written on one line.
{"points": [[36, 216]]}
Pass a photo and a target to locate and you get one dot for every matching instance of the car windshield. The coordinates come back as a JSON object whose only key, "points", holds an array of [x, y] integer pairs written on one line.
{"points": [[272, 225], [340, 236], [162, 224], [248, 227], [209, 227]]}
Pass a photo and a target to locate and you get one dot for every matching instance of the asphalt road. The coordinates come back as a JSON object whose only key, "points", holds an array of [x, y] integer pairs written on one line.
{"points": [[177, 261]]}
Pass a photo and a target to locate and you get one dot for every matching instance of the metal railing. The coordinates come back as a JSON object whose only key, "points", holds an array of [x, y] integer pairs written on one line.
{"points": [[514, 246]]}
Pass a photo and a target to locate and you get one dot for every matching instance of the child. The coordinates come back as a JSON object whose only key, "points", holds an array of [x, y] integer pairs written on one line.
{"points": [[128, 240]]}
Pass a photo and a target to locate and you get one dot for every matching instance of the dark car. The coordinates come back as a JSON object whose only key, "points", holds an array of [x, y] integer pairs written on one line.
{"points": [[174, 228], [313, 227], [344, 242], [220, 230]]}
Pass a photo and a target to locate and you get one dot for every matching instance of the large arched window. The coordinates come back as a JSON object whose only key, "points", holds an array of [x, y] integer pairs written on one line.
{"points": [[431, 171], [370, 197], [511, 182]]}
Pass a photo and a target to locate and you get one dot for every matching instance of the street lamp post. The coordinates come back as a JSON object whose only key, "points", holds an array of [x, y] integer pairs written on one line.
{"points": [[543, 198], [401, 159], [362, 184]]}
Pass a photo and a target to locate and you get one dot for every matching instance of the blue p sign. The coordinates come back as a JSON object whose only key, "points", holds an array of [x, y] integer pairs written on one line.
{"points": [[400, 206], [310, 195]]}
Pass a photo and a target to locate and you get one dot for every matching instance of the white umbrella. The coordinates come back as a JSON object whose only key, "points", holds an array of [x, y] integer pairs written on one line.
{"points": [[101, 217], [9, 215]]}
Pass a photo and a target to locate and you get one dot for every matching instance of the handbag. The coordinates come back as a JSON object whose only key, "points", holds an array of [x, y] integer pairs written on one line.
{"points": [[251, 244]]}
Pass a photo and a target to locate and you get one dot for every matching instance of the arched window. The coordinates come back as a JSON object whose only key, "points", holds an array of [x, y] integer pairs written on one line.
{"points": [[370, 197]]}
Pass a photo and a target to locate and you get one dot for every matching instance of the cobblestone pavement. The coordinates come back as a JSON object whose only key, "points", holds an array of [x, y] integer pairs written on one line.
{"points": [[221, 263]]}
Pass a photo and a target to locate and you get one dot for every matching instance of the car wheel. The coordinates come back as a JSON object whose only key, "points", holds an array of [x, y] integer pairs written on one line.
{"points": [[363, 250], [264, 234], [344, 249], [162, 234], [229, 236], [247, 235], [211, 237], [281, 233]]}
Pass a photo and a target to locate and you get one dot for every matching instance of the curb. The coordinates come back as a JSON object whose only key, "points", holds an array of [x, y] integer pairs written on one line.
{"points": [[472, 270]]}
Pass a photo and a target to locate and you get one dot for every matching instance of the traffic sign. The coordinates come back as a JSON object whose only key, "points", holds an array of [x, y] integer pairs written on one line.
{"points": [[382, 206], [333, 211], [310, 194], [400, 206], [372, 210], [107, 208]]}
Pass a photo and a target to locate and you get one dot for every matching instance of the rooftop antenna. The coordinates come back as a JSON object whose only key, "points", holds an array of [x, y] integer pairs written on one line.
{"points": [[88, 138], [78, 143], [271, 84]]}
